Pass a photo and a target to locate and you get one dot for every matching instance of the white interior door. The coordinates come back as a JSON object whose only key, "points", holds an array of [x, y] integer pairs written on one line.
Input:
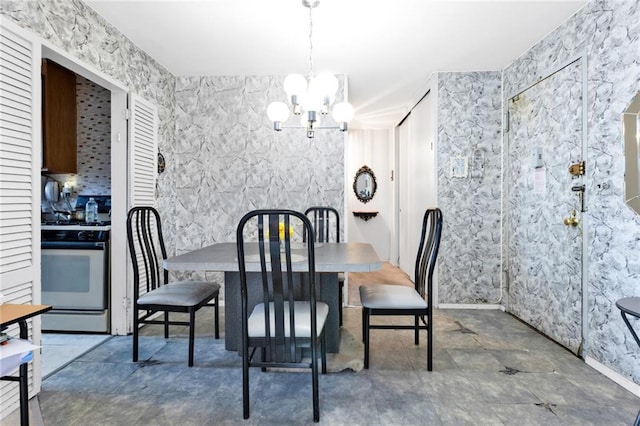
{"points": [[544, 254], [417, 178], [20, 163], [405, 258]]}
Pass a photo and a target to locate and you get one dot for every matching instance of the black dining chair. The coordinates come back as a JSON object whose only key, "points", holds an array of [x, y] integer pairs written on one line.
{"points": [[286, 318], [399, 300], [326, 229], [152, 291], [630, 306]]}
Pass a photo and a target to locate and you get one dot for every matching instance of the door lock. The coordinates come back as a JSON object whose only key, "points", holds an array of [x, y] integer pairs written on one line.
{"points": [[572, 220], [577, 169]]}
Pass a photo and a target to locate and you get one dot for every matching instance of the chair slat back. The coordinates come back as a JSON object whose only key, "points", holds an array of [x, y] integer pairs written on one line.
{"points": [[147, 250], [428, 252], [326, 224], [268, 234]]}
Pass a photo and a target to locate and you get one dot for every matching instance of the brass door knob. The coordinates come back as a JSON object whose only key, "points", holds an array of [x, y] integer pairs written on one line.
{"points": [[572, 220]]}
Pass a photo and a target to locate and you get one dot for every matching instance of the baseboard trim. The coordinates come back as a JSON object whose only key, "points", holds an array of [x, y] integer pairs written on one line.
{"points": [[614, 375], [470, 306]]}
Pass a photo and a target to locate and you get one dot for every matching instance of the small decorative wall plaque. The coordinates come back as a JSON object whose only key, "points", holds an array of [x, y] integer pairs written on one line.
{"points": [[459, 167]]}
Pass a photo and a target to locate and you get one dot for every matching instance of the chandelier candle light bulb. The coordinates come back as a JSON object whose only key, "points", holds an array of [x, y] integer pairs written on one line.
{"points": [[312, 95]]}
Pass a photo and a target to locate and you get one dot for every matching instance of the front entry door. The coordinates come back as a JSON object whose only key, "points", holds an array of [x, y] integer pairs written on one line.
{"points": [[544, 224]]}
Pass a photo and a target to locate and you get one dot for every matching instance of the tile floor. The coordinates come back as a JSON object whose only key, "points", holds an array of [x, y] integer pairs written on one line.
{"points": [[59, 349], [489, 369]]}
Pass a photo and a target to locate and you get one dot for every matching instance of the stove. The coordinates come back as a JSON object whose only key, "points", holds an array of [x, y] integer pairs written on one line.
{"points": [[72, 225], [76, 274]]}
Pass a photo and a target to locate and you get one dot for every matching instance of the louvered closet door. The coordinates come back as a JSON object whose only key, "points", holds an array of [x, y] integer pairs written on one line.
{"points": [[20, 160], [143, 151], [143, 162]]}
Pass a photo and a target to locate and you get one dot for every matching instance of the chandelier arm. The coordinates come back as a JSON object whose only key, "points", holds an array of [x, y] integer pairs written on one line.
{"points": [[314, 127]]}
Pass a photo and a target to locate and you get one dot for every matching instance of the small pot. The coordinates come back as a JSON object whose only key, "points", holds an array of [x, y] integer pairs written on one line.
{"points": [[77, 215]]}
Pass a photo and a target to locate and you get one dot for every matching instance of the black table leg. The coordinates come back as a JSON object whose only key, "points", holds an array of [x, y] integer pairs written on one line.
{"points": [[24, 381]]}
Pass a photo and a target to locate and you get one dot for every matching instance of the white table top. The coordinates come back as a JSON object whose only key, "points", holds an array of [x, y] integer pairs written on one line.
{"points": [[330, 257]]}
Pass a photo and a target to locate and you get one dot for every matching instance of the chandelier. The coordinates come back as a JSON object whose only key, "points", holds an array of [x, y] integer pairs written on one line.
{"points": [[311, 97]]}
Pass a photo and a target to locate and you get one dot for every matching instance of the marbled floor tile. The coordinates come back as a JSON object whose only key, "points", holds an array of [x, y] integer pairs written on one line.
{"points": [[608, 392], [97, 377], [456, 412], [61, 407], [585, 415], [359, 410], [59, 349], [475, 359], [525, 361], [467, 386], [397, 385], [526, 415], [407, 412], [501, 388], [553, 388], [448, 386]]}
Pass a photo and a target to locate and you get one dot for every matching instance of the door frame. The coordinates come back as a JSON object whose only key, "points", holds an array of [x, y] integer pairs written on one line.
{"points": [[120, 293], [583, 58]]}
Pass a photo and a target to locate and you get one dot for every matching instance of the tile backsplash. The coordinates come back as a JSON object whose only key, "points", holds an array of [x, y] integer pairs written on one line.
{"points": [[94, 141]]}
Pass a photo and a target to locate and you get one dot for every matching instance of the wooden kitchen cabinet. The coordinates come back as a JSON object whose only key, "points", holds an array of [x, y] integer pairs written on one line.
{"points": [[59, 119]]}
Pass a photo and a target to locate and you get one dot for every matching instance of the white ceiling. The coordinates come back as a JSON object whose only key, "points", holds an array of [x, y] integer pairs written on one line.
{"points": [[387, 48]]}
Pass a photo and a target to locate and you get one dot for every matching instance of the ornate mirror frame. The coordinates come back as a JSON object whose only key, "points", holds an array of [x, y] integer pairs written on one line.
{"points": [[364, 184], [631, 135]]}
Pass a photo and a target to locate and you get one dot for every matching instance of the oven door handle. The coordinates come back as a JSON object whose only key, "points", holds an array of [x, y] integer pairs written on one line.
{"points": [[74, 245]]}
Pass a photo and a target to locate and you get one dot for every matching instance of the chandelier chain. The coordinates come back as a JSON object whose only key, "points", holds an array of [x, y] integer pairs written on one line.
{"points": [[310, 43]]}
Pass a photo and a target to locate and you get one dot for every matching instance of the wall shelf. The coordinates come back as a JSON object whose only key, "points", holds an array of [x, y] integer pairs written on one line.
{"points": [[365, 215]]}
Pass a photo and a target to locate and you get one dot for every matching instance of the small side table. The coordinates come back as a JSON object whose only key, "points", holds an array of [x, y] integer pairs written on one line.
{"points": [[630, 306], [12, 314]]}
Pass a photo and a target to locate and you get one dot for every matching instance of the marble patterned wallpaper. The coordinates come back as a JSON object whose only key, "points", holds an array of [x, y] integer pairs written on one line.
{"points": [[75, 28], [544, 255], [222, 156], [207, 147], [609, 33], [231, 161], [468, 123]]}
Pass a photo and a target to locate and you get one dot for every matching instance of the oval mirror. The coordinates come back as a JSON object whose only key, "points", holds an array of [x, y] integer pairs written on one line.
{"points": [[631, 134], [364, 184]]}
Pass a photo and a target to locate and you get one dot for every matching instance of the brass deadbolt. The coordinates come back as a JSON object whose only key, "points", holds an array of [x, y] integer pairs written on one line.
{"points": [[572, 220]]}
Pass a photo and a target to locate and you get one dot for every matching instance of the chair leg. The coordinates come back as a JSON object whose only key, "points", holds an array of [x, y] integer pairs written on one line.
{"points": [[430, 340], [416, 330], [135, 334], [217, 318], [314, 383], [365, 335], [323, 351], [192, 332], [166, 324], [340, 300], [245, 380]]}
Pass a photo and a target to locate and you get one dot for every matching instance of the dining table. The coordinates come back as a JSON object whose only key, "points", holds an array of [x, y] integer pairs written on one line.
{"points": [[330, 260]]}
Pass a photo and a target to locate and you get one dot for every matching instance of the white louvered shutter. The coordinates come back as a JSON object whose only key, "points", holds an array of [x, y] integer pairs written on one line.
{"points": [[143, 162], [143, 151], [20, 161]]}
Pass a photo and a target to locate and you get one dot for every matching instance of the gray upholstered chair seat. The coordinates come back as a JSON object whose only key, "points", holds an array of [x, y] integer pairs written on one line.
{"points": [[389, 296], [152, 291], [181, 293], [399, 300], [302, 323]]}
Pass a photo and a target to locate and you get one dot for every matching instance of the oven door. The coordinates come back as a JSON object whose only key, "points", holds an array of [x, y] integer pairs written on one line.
{"points": [[74, 275]]}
